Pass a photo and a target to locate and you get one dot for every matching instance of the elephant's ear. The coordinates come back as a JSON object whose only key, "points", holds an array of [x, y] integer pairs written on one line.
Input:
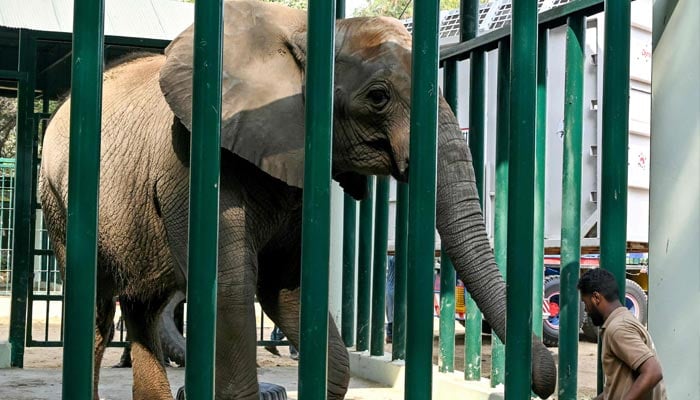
{"points": [[263, 73]]}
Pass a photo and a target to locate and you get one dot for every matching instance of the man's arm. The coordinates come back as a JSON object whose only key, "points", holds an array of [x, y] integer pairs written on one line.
{"points": [[649, 376]]}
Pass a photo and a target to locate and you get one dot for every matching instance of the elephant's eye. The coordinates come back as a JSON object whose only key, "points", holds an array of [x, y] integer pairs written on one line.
{"points": [[379, 98]]}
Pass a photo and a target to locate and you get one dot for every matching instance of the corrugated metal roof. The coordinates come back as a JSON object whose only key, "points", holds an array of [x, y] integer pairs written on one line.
{"points": [[152, 19]]}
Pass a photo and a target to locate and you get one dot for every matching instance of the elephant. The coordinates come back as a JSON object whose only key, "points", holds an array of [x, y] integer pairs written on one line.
{"points": [[144, 200]]}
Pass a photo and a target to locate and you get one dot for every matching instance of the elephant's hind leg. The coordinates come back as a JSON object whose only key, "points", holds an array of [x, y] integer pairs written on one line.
{"points": [[104, 331], [150, 378]]}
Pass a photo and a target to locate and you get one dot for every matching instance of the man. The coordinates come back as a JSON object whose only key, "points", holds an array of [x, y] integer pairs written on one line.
{"points": [[630, 365]]}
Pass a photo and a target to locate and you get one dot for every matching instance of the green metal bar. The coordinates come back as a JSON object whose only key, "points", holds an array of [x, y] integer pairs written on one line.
{"points": [[500, 236], [364, 266], [381, 237], [339, 9], [448, 280], [521, 180], [22, 261], [613, 201], [571, 207], [349, 246], [204, 199], [422, 180], [13, 75], [448, 277], [477, 141], [547, 19], [316, 230], [83, 200], [398, 347], [540, 157]]}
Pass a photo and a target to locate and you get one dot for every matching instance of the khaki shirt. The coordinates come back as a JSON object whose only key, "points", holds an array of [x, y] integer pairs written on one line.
{"points": [[626, 345]]}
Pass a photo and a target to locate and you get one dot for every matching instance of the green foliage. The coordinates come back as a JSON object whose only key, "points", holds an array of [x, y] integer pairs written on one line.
{"points": [[400, 9], [8, 127], [300, 4]]}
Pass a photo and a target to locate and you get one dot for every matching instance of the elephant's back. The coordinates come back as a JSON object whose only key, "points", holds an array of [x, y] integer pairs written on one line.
{"points": [[133, 112]]}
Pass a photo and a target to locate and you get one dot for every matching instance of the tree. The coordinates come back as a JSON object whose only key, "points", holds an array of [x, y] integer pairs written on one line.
{"points": [[8, 122], [399, 8]]}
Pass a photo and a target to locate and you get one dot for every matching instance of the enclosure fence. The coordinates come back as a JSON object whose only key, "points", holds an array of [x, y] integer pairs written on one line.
{"points": [[522, 50]]}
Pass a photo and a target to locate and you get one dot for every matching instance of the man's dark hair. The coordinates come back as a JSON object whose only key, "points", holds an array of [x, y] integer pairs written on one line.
{"points": [[601, 281]]}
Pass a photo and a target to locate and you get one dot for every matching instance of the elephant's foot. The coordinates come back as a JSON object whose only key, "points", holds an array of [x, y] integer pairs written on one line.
{"points": [[268, 391]]}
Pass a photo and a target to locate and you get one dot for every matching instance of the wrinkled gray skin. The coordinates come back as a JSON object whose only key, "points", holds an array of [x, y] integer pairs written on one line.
{"points": [[144, 186]]}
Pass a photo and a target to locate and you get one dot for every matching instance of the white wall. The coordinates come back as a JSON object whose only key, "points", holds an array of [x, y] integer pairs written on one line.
{"points": [[674, 235]]}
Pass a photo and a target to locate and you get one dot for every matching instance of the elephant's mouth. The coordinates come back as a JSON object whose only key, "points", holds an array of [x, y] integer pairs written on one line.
{"points": [[398, 170]]}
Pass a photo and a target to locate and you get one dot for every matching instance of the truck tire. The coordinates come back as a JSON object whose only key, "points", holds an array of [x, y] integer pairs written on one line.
{"points": [[635, 301], [268, 391], [550, 326], [171, 339]]}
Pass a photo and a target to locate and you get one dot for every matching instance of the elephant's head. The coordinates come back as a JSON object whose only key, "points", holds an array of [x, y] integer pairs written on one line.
{"points": [[264, 64]]}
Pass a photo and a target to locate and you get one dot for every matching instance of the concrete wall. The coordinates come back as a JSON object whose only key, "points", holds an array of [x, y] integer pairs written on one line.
{"points": [[674, 254]]}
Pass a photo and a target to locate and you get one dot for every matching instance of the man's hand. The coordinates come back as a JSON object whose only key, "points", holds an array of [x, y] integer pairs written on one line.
{"points": [[649, 376]]}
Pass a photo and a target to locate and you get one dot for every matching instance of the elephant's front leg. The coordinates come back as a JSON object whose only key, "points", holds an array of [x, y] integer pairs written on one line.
{"points": [[283, 308]]}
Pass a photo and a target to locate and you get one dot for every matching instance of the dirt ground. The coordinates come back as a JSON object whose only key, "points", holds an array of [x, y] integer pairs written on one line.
{"points": [[51, 358]]}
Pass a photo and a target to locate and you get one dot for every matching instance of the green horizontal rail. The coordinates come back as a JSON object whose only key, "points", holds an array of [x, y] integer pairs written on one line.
{"points": [[547, 19]]}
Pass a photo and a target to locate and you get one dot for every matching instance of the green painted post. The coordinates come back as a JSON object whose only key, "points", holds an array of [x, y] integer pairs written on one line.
{"points": [[23, 235], [521, 180], [83, 200], [349, 246], [613, 201], [315, 252], [571, 207], [381, 237], [448, 278], [500, 236], [364, 267], [422, 180], [398, 347], [204, 199], [540, 157], [477, 141]]}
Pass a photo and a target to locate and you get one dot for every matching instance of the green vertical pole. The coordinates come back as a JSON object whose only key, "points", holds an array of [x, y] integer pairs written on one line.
{"points": [[364, 266], [500, 236], [349, 246], [540, 157], [339, 9], [421, 206], [23, 235], [315, 252], [616, 86], [521, 180], [571, 207], [204, 199], [477, 140], [381, 237], [448, 278], [398, 347], [83, 185]]}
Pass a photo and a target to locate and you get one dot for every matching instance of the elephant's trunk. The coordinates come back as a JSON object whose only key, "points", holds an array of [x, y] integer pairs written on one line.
{"points": [[462, 231]]}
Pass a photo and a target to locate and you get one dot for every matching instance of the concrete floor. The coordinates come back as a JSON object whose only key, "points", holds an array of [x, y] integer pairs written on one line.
{"points": [[115, 384]]}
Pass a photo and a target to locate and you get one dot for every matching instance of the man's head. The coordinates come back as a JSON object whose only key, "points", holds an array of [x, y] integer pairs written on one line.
{"points": [[599, 292]]}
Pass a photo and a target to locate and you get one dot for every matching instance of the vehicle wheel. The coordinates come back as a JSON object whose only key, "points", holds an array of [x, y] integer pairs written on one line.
{"points": [[590, 331], [268, 391], [550, 326], [636, 301], [171, 338]]}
